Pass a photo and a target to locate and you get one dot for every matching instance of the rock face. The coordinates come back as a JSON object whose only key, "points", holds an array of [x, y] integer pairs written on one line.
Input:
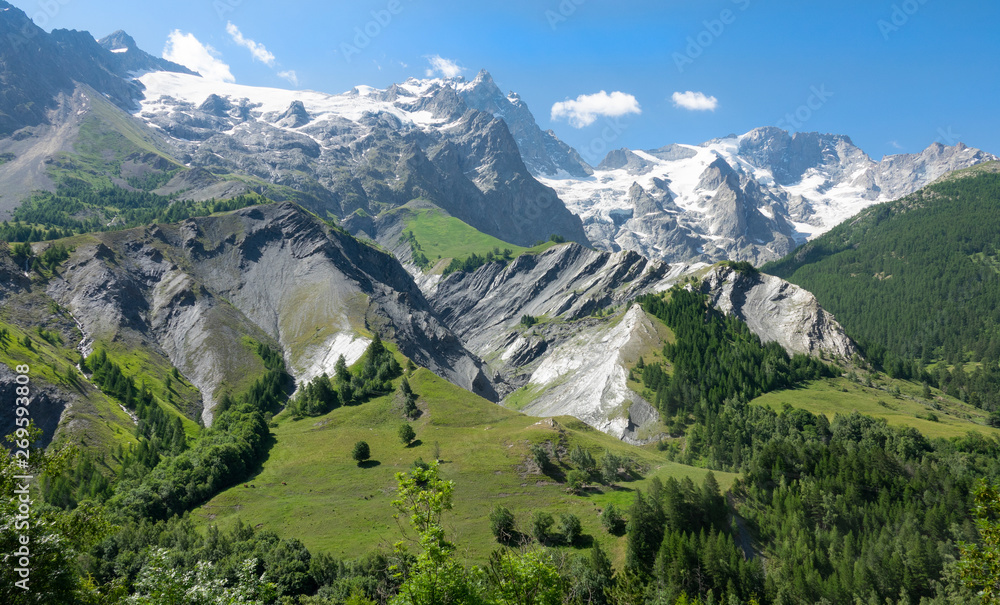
{"points": [[573, 362], [586, 377], [567, 282], [778, 311], [570, 362], [191, 292], [753, 197]]}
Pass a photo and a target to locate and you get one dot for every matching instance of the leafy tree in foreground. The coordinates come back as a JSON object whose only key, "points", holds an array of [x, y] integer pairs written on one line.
{"points": [[980, 563], [436, 577]]}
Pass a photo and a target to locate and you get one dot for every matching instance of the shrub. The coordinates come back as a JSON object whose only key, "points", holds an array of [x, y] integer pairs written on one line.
{"points": [[406, 433], [541, 526], [361, 452], [502, 524]]}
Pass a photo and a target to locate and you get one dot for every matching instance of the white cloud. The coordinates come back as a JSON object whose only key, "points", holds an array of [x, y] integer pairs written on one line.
{"points": [[290, 75], [584, 110], [694, 101], [257, 50], [202, 58], [446, 67], [895, 144]]}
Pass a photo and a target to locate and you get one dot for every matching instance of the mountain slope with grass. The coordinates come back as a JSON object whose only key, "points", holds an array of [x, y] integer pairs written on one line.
{"points": [[484, 448]]}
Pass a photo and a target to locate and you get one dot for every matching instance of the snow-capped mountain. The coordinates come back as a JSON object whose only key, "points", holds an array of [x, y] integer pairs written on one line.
{"points": [[448, 141], [749, 197]]}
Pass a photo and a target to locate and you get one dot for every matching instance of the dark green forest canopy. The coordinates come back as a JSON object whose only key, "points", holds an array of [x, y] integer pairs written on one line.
{"points": [[919, 277]]}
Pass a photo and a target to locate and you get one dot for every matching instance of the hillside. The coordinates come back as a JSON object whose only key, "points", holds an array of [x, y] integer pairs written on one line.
{"points": [[484, 449], [918, 276]]}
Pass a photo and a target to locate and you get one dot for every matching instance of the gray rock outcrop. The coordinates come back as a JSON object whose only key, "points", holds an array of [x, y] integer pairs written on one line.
{"points": [[778, 311]]}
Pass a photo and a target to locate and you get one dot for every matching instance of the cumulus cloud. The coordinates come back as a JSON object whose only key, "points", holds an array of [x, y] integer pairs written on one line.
{"points": [[585, 109], [257, 50], [188, 51], [290, 75], [445, 67], [694, 101]]}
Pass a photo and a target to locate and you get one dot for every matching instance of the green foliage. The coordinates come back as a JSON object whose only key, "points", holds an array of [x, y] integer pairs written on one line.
{"points": [[612, 520], [645, 533], [474, 261], [570, 528], [435, 577], [55, 537], [716, 357], [980, 563], [557, 239], [528, 320], [406, 433], [321, 395], [361, 452], [576, 481], [416, 251], [592, 579], [743, 267], [523, 579], [539, 455], [582, 459], [915, 278], [541, 526], [151, 487], [410, 409], [49, 216], [610, 466], [502, 524], [316, 398]]}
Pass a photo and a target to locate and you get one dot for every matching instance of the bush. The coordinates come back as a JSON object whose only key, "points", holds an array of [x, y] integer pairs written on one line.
{"points": [[612, 520], [541, 526], [576, 481], [610, 464], [570, 528], [540, 456], [361, 452], [502, 524], [582, 459], [406, 434], [528, 320]]}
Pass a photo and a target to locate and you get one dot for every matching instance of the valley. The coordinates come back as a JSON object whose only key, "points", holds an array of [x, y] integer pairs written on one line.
{"points": [[404, 345]]}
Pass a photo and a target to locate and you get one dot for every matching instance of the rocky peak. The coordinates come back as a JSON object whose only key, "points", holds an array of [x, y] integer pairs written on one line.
{"points": [[295, 116], [642, 202], [777, 311], [118, 40], [789, 156], [627, 159]]}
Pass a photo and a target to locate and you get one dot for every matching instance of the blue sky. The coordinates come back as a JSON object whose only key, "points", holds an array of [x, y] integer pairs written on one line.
{"points": [[894, 75]]}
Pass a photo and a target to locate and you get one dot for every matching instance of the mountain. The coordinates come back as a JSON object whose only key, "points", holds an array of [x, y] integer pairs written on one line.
{"points": [[574, 357], [188, 296], [543, 153], [36, 67], [751, 197], [916, 277], [368, 150], [353, 154]]}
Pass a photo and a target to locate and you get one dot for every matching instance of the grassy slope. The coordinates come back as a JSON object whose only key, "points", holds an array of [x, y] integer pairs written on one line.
{"points": [[445, 237], [841, 396], [101, 423], [106, 137], [335, 506]]}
